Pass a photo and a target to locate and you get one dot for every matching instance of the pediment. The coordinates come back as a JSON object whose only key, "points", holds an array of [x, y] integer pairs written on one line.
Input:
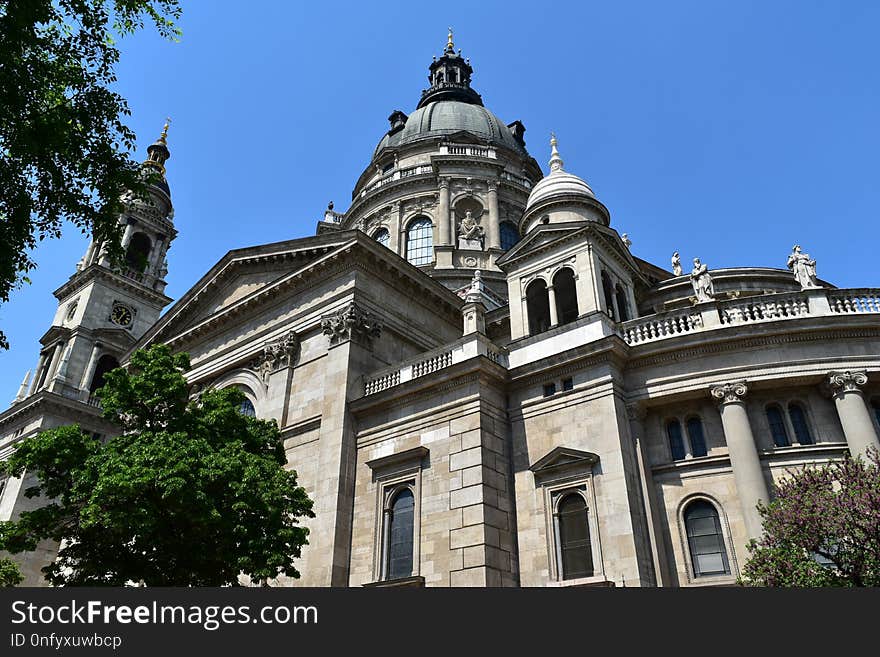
{"points": [[539, 238], [564, 459]]}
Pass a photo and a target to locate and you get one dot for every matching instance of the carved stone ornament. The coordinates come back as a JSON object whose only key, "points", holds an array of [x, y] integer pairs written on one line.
{"points": [[351, 323], [276, 355], [841, 382], [730, 393]]}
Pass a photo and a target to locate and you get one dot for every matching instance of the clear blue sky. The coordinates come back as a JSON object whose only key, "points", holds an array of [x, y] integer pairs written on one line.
{"points": [[725, 130]]}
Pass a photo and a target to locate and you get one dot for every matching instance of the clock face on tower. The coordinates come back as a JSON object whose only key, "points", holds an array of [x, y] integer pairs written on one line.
{"points": [[121, 315]]}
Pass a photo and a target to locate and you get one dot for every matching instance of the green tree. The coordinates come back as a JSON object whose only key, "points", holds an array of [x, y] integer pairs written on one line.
{"points": [[191, 493], [64, 150], [9, 573], [821, 529]]}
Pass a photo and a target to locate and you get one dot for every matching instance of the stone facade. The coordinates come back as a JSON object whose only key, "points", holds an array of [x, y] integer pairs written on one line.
{"points": [[499, 385]]}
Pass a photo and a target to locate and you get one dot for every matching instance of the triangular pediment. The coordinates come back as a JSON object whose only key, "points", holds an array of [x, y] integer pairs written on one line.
{"points": [[564, 458], [539, 238]]}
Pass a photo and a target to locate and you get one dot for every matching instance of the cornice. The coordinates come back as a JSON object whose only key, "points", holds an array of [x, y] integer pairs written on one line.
{"points": [[99, 272]]}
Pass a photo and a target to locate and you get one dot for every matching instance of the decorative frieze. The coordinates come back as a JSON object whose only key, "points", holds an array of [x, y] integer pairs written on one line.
{"points": [[276, 355], [730, 393], [351, 323], [841, 382]]}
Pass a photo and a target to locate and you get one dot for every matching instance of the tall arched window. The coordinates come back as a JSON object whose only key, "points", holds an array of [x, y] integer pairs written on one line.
{"points": [[566, 296], [105, 364], [538, 306], [696, 436], [777, 426], [247, 408], [676, 440], [138, 251], [420, 241], [622, 303], [509, 235], [399, 555], [799, 423], [382, 236], [575, 554], [705, 540], [608, 290]]}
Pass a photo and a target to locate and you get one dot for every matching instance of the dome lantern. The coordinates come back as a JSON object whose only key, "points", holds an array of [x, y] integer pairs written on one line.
{"points": [[450, 78]]}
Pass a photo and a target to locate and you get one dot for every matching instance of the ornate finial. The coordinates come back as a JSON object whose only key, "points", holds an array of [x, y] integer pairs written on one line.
{"points": [[164, 134], [555, 159], [450, 47]]}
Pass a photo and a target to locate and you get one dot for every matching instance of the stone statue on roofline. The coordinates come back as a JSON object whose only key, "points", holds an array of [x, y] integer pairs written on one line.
{"points": [[702, 282], [676, 264], [803, 268]]}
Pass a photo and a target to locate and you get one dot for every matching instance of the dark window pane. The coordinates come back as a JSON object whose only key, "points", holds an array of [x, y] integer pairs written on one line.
{"points": [[698, 440], [400, 548], [382, 236], [676, 441], [509, 235], [706, 543], [566, 296], [574, 538], [420, 242], [777, 427], [538, 306], [567, 384], [247, 408], [875, 404], [549, 389], [799, 423]]}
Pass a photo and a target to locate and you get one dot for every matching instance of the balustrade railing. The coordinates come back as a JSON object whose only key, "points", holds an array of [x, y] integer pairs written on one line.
{"points": [[659, 326], [767, 307], [857, 300]]}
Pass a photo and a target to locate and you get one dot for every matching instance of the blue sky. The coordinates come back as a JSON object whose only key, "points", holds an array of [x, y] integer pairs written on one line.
{"points": [[725, 130]]}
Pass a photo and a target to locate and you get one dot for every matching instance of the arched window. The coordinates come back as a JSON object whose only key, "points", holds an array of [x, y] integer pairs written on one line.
{"points": [[138, 251], [696, 436], [399, 555], [608, 290], [777, 426], [509, 235], [105, 364], [538, 306], [420, 241], [382, 236], [575, 552], [622, 303], [705, 540], [247, 408], [799, 423], [676, 440], [566, 296]]}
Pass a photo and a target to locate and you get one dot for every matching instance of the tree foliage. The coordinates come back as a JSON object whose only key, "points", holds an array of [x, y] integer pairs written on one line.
{"points": [[821, 529], [64, 150], [191, 493]]}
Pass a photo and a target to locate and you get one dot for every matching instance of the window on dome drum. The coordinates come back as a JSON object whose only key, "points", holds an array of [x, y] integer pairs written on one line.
{"points": [[420, 241], [676, 440], [247, 408], [799, 423], [509, 235], [399, 516], [705, 540], [538, 306], [138, 251], [777, 426], [382, 236], [696, 436], [622, 304], [566, 296], [573, 550], [609, 294]]}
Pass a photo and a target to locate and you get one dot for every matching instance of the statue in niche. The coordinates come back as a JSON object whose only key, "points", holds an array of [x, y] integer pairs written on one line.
{"points": [[676, 264], [470, 233], [803, 268], [702, 282]]}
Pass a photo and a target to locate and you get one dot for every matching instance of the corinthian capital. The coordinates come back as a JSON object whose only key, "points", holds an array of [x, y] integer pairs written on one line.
{"points": [[840, 382], [730, 393], [351, 323]]}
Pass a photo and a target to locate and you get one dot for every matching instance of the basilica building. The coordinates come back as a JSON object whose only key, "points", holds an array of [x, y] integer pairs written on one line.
{"points": [[476, 379]]}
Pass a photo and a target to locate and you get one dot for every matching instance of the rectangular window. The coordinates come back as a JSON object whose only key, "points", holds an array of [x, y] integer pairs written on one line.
{"points": [[567, 384], [549, 389]]}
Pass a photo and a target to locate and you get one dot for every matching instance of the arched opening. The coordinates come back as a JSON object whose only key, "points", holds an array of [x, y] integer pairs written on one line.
{"points": [[420, 241], [105, 364], [575, 551], [608, 291], [696, 436], [509, 235], [777, 426], [138, 251], [676, 440], [622, 303], [400, 535], [382, 236], [566, 296], [538, 306], [705, 540], [799, 423]]}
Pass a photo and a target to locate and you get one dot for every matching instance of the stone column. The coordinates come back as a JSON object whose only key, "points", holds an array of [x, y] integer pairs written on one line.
{"points": [[90, 369], [443, 214], [53, 363], [37, 372], [551, 298], [744, 460], [395, 228], [846, 388], [494, 232]]}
